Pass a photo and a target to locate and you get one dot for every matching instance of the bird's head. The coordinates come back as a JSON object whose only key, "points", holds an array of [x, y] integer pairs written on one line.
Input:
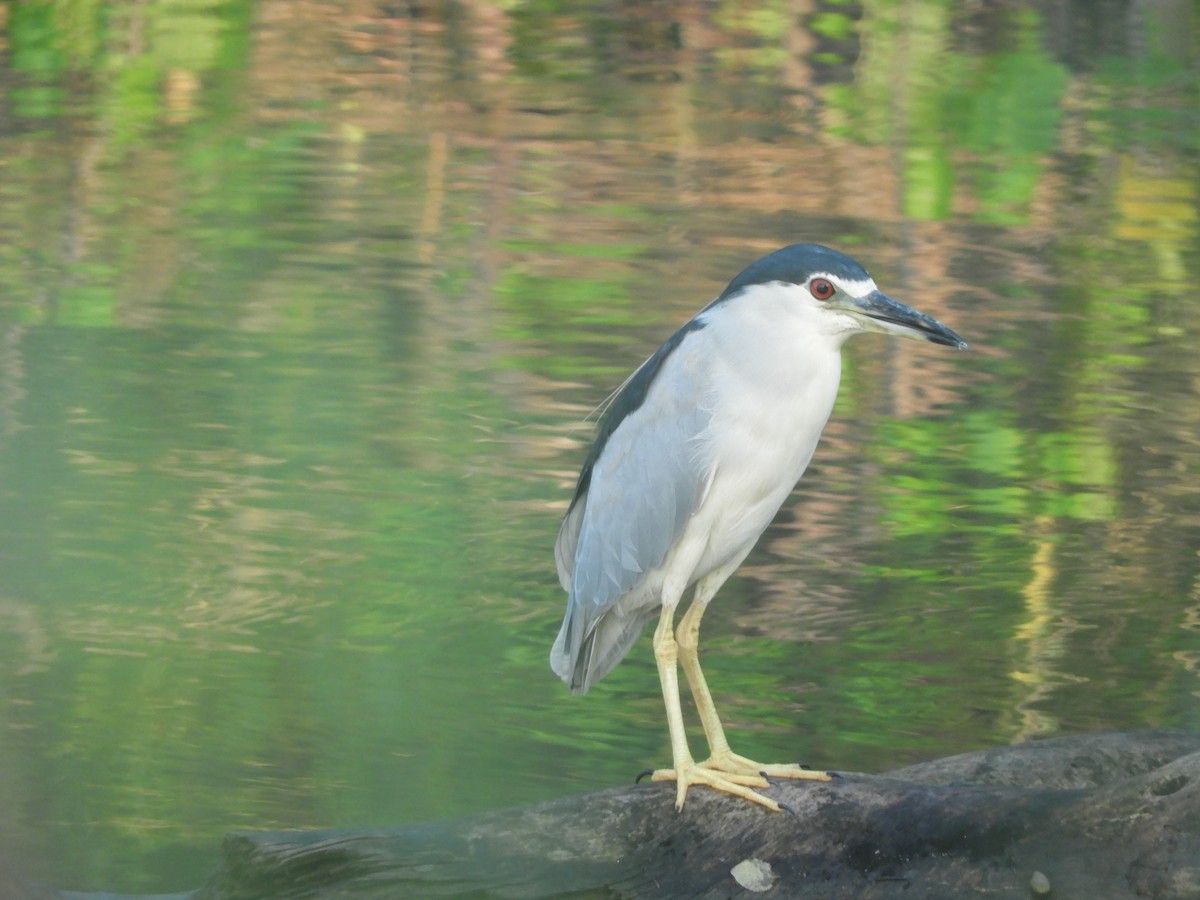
{"points": [[836, 291]]}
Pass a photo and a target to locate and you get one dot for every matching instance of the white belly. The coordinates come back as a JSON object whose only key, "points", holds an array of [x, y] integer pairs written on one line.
{"points": [[768, 418]]}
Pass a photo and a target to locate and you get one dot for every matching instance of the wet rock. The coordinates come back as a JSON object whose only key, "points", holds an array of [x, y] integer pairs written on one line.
{"points": [[754, 875], [1039, 885]]}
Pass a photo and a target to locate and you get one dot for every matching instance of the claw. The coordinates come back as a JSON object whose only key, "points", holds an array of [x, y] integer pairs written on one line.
{"points": [[738, 784], [642, 774]]}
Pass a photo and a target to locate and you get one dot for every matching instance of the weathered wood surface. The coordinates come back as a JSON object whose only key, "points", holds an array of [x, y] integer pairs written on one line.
{"points": [[1099, 816]]}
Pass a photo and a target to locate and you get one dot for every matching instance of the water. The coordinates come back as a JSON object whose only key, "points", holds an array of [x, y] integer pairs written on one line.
{"points": [[302, 310]]}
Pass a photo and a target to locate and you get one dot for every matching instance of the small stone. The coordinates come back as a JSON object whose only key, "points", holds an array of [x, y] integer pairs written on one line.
{"points": [[754, 875], [1039, 884]]}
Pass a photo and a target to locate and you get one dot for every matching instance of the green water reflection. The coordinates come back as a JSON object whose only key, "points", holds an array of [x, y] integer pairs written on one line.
{"points": [[302, 310]]}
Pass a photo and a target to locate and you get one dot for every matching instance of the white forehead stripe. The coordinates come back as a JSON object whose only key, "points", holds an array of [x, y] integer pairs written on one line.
{"points": [[855, 287]]}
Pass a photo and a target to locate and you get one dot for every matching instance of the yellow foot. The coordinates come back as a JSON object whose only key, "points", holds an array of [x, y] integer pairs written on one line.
{"points": [[730, 763], [737, 783], [735, 775]]}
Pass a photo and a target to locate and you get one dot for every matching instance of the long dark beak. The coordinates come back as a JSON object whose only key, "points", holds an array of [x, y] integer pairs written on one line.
{"points": [[879, 312]]}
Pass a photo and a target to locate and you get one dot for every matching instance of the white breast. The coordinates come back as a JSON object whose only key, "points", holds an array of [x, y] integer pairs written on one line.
{"points": [[772, 379]]}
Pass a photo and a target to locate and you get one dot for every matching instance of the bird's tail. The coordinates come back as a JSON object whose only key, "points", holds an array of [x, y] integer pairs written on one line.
{"points": [[585, 652]]}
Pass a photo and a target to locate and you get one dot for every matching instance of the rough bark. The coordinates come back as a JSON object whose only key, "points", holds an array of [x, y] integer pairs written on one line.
{"points": [[1115, 815]]}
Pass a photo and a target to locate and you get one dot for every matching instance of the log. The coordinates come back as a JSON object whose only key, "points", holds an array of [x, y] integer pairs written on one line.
{"points": [[1095, 816]]}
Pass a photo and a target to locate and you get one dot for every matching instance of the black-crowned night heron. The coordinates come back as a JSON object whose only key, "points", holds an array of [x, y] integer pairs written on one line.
{"points": [[700, 447]]}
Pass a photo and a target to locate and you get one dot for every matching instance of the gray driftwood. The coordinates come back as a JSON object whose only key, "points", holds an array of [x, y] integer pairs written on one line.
{"points": [[1100, 816]]}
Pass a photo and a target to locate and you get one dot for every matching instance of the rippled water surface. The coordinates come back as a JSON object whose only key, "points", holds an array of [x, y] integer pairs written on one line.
{"points": [[304, 308]]}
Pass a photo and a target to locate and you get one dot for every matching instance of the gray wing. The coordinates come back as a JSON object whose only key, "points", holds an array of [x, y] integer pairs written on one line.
{"points": [[642, 480]]}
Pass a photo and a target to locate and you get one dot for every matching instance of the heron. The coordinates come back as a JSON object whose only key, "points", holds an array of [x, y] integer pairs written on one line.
{"points": [[693, 458]]}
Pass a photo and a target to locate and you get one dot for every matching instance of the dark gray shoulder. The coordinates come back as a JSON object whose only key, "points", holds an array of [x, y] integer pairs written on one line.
{"points": [[631, 397]]}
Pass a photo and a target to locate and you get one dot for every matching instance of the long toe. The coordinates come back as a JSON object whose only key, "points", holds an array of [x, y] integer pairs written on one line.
{"points": [[739, 784], [731, 764]]}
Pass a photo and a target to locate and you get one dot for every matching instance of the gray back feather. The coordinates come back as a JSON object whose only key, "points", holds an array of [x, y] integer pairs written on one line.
{"points": [[640, 484]]}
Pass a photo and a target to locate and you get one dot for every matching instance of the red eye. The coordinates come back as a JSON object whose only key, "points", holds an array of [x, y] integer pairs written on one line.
{"points": [[820, 288]]}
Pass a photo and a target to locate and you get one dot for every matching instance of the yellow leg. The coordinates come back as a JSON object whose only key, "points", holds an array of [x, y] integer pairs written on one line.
{"points": [[721, 758], [666, 654], [684, 771]]}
